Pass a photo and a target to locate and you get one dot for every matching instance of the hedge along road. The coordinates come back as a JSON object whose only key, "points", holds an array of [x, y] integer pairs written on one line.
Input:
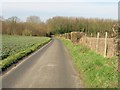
{"points": [[49, 67]]}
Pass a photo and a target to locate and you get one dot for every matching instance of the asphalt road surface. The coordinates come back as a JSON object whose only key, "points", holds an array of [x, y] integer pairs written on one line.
{"points": [[49, 67]]}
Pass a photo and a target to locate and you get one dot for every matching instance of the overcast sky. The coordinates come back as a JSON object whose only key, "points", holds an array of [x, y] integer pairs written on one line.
{"points": [[48, 8]]}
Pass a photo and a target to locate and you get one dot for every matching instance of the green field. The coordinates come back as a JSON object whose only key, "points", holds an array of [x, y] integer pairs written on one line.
{"points": [[16, 47], [95, 70]]}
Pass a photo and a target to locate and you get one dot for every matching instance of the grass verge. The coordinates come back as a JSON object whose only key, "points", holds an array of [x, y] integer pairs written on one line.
{"points": [[4, 64], [96, 71]]}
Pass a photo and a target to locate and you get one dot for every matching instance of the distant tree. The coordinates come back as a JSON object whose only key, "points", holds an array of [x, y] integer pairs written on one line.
{"points": [[12, 23], [56, 25], [33, 19]]}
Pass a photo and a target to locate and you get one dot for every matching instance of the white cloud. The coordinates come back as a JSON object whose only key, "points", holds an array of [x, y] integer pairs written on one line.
{"points": [[46, 10], [0, 9], [60, 1]]}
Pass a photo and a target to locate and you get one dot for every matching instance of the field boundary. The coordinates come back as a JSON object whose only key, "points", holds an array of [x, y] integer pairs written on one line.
{"points": [[101, 45], [96, 71], [9, 61], [12, 67], [104, 46]]}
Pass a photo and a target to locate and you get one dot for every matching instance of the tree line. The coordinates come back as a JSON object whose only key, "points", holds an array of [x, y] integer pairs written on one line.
{"points": [[33, 26]]}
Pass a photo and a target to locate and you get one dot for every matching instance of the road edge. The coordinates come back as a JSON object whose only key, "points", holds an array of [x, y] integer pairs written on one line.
{"points": [[14, 66]]}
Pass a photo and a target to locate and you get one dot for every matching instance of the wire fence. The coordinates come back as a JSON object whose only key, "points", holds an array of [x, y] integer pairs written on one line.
{"points": [[104, 46]]}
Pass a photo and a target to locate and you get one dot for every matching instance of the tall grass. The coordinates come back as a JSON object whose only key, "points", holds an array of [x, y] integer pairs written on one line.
{"points": [[96, 71]]}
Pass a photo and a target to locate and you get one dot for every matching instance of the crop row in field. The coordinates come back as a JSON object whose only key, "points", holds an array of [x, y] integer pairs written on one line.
{"points": [[16, 47], [14, 44]]}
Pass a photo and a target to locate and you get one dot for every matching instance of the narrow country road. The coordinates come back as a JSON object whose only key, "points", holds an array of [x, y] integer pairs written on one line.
{"points": [[49, 67]]}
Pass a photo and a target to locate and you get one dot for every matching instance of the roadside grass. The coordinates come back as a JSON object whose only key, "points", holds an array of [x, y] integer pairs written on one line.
{"points": [[5, 63], [95, 70]]}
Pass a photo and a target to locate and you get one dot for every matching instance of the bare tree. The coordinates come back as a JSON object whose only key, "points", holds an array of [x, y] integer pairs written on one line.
{"points": [[12, 23], [33, 19]]}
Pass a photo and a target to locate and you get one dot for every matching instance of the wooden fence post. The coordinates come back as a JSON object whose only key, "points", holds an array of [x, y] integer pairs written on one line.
{"points": [[85, 39], [98, 35], [91, 41], [105, 49]]}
